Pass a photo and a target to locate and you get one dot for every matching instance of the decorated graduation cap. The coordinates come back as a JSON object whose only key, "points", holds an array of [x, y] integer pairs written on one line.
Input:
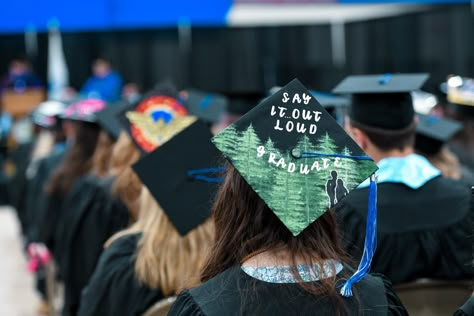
{"points": [[297, 158], [182, 175], [433, 132], [382, 101], [84, 110], [460, 90], [109, 118], [156, 118], [47, 114], [209, 107]]}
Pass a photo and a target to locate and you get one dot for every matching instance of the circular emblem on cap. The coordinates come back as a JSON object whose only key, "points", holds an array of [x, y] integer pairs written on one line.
{"points": [[151, 118]]}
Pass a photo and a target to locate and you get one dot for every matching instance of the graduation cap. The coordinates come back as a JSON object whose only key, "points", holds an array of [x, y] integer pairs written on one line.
{"points": [[84, 110], [210, 107], [299, 161], [382, 101], [109, 119], [433, 132], [156, 118], [423, 102], [47, 114], [242, 102], [181, 175], [460, 90]]}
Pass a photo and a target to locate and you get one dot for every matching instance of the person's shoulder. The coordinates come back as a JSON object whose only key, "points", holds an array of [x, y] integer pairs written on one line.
{"points": [[377, 292], [224, 287], [123, 246], [185, 305]]}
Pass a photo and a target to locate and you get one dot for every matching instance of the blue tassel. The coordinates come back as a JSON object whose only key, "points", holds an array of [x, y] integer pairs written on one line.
{"points": [[370, 241], [197, 174]]}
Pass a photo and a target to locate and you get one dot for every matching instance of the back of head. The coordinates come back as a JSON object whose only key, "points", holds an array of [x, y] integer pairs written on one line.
{"points": [[245, 224], [165, 259], [78, 159]]}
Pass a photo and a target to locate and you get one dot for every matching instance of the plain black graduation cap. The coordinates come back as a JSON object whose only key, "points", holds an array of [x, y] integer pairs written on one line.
{"points": [[109, 118], [382, 101], [433, 132], [209, 107], [175, 174]]}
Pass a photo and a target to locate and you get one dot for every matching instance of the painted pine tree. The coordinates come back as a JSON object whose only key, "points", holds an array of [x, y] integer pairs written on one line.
{"points": [[269, 169], [304, 168], [227, 141], [326, 145], [245, 157], [286, 198]]}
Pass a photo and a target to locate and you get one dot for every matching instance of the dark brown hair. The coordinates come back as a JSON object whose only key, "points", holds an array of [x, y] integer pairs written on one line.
{"points": [[78, 159], [386, 139], [244, 224], [102, 155]]}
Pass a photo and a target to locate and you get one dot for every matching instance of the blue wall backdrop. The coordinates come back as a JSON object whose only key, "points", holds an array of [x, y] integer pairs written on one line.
{"points": [[90, 15]]}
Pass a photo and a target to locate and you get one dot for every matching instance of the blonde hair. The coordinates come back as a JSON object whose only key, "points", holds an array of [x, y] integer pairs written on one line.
{"points": [[165, 259], [101, 158], [446, 162], [126, 186], [124, 154]]}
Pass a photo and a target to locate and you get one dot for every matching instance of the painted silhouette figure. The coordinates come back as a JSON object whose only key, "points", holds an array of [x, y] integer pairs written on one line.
{"points": [[331, 188], [341, 190]]}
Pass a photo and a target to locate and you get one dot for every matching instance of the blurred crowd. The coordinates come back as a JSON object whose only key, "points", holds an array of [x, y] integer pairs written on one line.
{"points": [[124, 200]]}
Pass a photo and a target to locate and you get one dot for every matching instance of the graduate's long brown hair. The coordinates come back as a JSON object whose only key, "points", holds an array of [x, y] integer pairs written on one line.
{"points": [[244, 224], [78, 159]]}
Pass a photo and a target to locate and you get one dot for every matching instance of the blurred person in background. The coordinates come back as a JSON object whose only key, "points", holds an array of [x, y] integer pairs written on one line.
{"points": [[432, 136], [105, 83], [20, 76], [460, 97], [90, 214], [156, 258], [417, 237]]}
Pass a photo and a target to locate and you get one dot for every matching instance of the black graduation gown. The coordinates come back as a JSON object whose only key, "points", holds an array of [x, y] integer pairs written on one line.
{"points": [[35, 193], [113, 289], [91, 216], [233, 292], [423, 233], [20, 157]]}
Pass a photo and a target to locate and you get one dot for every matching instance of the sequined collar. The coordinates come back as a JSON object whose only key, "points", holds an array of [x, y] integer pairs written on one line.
{"points": [[283, 274]]}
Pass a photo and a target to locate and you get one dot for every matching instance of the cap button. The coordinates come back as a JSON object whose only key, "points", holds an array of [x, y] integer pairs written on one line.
{"points": [[296, 153]]}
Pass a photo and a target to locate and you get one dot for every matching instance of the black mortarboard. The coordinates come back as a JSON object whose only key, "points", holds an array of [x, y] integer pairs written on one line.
{"points": [[382, 101], [109, 119], [84, 110], [432, 132], [268, 145], [209, 107], [156, 117], [242, 102], [300, 162], [181, 175]]}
